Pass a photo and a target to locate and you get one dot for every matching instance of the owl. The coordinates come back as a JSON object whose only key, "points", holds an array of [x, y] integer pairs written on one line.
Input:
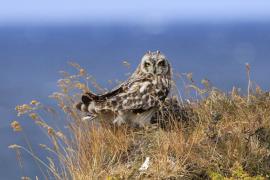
{"points": [[136, 100]]}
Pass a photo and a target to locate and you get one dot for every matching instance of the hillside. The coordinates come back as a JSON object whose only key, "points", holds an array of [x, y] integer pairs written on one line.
{"points": [[211, 135]]}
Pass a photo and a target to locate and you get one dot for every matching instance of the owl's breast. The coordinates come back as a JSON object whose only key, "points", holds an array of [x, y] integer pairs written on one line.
{"points": [[162, 87]]}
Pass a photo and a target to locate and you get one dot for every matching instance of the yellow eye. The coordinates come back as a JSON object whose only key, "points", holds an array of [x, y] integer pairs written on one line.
{"points": [[161, 63], [146, 64]]}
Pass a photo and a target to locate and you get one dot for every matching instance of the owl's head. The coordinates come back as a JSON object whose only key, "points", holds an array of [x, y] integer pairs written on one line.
{"points": [[155, 63]]}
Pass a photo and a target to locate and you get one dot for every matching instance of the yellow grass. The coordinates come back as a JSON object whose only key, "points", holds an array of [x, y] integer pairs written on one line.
{"points": [[214, 136]]}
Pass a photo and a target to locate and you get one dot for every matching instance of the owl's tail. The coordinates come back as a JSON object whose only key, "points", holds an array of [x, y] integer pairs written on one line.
{"points": [[86, 99], [81, 107]]}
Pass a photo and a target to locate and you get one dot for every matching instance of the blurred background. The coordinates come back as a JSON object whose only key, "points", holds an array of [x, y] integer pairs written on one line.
{"points": [[211, 39]]}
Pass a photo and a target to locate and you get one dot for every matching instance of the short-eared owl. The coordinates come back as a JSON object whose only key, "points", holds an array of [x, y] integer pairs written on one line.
{"points": [[138, 98]]}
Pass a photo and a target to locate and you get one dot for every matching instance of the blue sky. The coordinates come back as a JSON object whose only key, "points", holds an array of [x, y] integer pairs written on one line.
{"points": [[140, 11]]}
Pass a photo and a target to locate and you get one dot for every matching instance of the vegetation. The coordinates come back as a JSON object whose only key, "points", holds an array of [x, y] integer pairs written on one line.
{"points": [[214, 135]]}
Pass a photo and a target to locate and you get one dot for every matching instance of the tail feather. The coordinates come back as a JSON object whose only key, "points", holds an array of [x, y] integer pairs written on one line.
{"points": [[82, 107], [86, 99]]}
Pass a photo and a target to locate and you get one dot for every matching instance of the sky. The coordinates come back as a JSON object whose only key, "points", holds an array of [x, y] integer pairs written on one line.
{"points": [[139, 11]]}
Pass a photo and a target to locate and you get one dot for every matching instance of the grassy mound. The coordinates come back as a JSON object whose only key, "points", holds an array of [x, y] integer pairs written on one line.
{"points": [[215, 136]]}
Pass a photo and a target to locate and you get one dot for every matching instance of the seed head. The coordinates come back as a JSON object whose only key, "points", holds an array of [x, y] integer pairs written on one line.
{"points": [[82, 72], [34, 102], [16, 126]]}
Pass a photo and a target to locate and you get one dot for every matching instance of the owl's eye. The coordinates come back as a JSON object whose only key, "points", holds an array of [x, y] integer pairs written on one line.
{"points": [[161, 63], [146, 64]]}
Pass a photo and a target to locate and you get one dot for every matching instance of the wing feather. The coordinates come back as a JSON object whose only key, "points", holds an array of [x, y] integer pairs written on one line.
{"points": [[138, 96], [118, 90]]}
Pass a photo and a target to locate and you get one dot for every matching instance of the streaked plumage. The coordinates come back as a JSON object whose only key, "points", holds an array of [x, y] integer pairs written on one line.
{"points": [[137, 99]]}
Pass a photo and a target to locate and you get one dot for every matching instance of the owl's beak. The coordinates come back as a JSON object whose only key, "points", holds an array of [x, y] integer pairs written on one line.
{"points": [[155, 70]]}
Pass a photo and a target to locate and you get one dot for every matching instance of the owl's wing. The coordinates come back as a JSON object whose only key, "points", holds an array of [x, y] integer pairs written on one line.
{"points": [[110, 94], [90, 96], [137, 96], [122, 88]]}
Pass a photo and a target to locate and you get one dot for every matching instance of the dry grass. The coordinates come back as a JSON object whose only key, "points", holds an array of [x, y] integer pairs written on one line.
{"points": [[212, 137]]}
